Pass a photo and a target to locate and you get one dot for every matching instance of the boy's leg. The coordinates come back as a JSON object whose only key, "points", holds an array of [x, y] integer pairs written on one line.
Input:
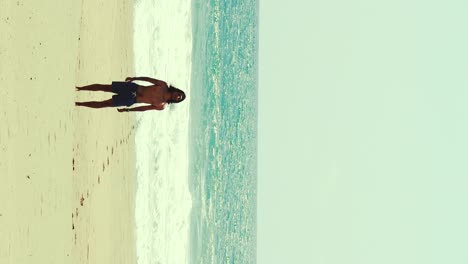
{"points": [[96, 87], [95, 104]]}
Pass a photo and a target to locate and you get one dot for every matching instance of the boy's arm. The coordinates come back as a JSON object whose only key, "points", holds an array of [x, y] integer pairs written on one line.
{"points": [[145, 79], [142, 108]]}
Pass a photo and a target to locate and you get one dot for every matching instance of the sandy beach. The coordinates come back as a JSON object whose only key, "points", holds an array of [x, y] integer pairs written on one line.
{"points": [[67, 192]]}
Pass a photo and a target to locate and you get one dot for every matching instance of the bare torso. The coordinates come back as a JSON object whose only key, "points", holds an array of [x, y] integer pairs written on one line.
{"points": [[153, 94]]}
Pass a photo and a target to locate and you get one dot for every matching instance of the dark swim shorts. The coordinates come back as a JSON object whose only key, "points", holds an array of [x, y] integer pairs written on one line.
{"points": [[125, 93]]}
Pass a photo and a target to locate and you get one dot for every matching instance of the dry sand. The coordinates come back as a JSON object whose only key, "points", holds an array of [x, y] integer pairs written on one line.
{"points": [[67, 173]]}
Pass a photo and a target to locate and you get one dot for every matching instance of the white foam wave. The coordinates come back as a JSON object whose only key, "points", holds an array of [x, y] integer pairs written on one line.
{"points": [[163, 50]]}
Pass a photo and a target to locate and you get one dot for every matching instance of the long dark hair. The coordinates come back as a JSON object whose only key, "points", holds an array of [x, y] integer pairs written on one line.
{"points": [[172, 90]]}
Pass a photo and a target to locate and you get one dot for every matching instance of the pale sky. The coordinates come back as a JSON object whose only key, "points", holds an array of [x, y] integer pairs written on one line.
{"points": [[363, 132]]}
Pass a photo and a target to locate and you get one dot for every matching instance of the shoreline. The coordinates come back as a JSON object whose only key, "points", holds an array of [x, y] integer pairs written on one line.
{"points": [[104, 146]]}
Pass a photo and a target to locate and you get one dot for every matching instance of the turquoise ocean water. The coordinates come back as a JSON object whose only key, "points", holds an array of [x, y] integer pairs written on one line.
{"points": [[223, 132], [196, 161]]}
